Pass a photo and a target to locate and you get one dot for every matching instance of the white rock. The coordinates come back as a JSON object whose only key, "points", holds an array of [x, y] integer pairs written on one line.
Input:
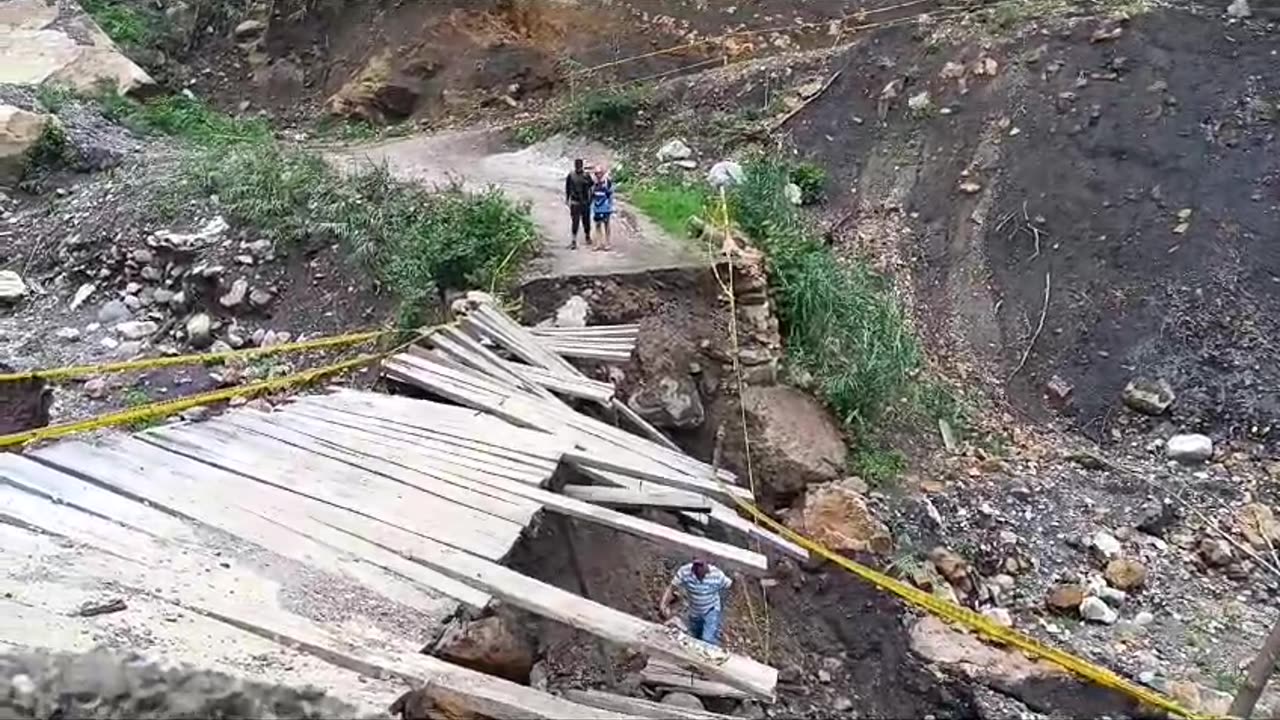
{"points": [[999, 615], [109, 343], [1097, 610], [81, 295], [136, 329], [12, 288], [200, 330], [67, 334], [574, 313], [794, 194], [235, 296], [112, 312], [726, 173], [1143, 618], [919, 102], [260, 298], [1239, 9], [1106, 544], [96, 388], [1190, 448], [675, 150], [129, 349]]}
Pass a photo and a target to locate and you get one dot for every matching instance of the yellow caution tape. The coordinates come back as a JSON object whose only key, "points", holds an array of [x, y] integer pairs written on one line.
{"points": [[170, 407], [973, 620], [75, 371]]}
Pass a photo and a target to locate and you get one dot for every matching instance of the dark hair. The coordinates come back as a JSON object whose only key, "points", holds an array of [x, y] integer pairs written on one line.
{"points": [[577, 165], [699, 568]]}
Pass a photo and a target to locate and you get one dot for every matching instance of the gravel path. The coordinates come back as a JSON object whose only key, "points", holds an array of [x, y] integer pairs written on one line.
{"points": [[534, 174]]}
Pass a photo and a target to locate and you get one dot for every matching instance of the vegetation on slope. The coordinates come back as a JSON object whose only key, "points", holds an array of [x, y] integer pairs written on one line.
{"points": [[414, 241]]}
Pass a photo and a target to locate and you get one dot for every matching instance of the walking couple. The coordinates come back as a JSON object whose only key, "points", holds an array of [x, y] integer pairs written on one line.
{"points": [[589, 197]]}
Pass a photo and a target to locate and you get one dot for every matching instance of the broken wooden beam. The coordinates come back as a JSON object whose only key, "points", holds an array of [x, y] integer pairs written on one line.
{"points": [[659, 673], [622, 497]]}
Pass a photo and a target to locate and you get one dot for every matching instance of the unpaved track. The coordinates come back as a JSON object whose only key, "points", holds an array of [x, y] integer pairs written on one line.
{"points": [[534, 175]]}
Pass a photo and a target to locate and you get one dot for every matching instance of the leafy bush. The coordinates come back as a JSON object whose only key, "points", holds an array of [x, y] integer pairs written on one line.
{"points": [[670, 202], [51, 150], [604, 111], [185, 117], [122, 22], [842, 323], [415, 241], [812, 181]]}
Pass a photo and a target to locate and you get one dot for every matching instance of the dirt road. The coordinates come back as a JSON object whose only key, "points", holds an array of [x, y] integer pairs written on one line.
{"points": [[534, 175]]}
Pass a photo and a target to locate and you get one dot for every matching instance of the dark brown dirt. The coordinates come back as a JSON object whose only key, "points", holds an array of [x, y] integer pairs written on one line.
{"points": [[1177, 113], [24, 404]]}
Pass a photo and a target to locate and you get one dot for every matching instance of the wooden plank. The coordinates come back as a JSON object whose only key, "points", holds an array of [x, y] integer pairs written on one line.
{"points": [[588, 330], [579, 387], [279, 521], [310, 436], [648, 429], [589, 353], [411, 457], [260, 621], [668, 675], [485, 357], [622, 497], [639, 707], [512, 331]]}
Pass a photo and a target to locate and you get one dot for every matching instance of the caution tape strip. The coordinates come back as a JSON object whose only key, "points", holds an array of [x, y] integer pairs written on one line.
{"points": [[171, 407], [75, 371], [973, 620]]}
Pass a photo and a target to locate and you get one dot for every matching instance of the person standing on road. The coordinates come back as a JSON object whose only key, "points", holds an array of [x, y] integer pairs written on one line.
{"points": [[577, 195], [602, 207], [701, 584]]}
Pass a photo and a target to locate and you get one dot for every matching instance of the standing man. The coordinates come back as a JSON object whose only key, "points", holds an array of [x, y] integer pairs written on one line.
{"points": [[602, 206], [577, 195], [701, 584]]}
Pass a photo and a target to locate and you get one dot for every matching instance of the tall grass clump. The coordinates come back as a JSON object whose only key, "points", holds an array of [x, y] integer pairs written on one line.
{"points": [[605, 111], [842, 323], [670, 202], [183, 117], [414, 241]]}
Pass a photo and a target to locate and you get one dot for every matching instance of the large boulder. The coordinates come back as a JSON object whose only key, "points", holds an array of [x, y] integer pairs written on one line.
{"points": [[59, 44], [669, 401], [794, 440], [381, 91], [20, 133], [836, 515], [490, 645]]}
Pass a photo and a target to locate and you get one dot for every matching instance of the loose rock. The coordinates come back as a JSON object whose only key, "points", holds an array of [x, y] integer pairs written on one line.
{"points": [[260, 298], [1125, 574], [999, 615], [837, 516], [794, 440], [1215, 552], [1157, 517], [490, 645], [236, 295], [725, 173], [81, 295], [1259, 527], [682, 700], [200, 331], [96, 388], [67, 334], [12, 287], [670, 402], [1096, 610], [1106, 545], [136, 329], [1190, 449], [1239, 9], [574, 313], [674, 150], [794, 194], [112, 312], [1065, 598], [1149, 397]]}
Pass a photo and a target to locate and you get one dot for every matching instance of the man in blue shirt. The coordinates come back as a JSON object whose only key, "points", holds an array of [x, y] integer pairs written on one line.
{"points": [[602, 206], [701, 584]]}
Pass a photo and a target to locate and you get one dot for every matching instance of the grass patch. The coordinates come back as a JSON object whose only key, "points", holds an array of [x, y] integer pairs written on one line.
{"points": [[602, 112], [878, 466], [415, 242], [842, 324], [812, 181], [184, 117], [670, 202], [51, 151], [124, 23]]}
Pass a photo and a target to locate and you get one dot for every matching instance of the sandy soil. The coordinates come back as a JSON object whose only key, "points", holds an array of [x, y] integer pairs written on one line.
{"points": [[534, 175]]}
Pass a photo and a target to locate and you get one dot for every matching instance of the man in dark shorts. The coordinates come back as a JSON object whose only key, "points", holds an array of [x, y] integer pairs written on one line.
{"points": [[578, 188]]}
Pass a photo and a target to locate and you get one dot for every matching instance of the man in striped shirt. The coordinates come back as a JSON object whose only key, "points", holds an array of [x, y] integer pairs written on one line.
{"points": [[700, 584]]}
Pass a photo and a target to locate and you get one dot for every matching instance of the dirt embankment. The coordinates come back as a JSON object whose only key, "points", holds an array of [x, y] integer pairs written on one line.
{"points": [[1133, 167]]}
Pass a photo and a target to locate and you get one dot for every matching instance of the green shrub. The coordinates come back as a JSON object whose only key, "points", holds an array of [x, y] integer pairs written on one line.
{"points": [[842, 323], [181, 116], [415, 242], [670, 202], [604, 111], [122, 22], [51, 150], [812, 181]]}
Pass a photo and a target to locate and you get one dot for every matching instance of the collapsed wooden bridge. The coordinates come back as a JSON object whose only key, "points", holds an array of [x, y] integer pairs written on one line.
{"points": [[330, 541]]}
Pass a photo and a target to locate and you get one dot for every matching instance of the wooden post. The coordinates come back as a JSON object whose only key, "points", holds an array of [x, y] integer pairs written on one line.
{"points": [[1259, 672]]}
